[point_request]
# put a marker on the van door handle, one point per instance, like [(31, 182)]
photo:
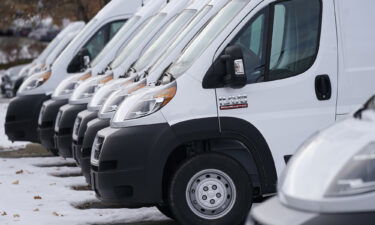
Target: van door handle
[(323, 87)]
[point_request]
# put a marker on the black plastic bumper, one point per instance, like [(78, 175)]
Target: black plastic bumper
[(21, 121), (85, 152), (46, 123), (129, 171), (64, 128), (79, 130)]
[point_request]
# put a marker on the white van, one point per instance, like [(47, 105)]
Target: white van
[(13, 80), (67, 114), (259, 79), (330, 180), (40, 62), (21, 124), (65, 89), (146, 69)]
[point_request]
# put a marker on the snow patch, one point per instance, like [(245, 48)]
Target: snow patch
[(31, 196)]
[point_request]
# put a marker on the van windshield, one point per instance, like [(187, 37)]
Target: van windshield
[(170, 32), (182, 35), (116, 39), (137, 39), (206, 36)]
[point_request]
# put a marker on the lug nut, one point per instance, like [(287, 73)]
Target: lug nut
[(205, 189), (214, 187), (218, 195), (212, 201), (204, 197)]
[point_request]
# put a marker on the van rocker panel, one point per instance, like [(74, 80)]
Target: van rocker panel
[(21, 121)]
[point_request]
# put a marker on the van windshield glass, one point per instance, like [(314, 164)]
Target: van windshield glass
[(206, 36), (116, 39), (170, 32), (182, 35), (137, 39)]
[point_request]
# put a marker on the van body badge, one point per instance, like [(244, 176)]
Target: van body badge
[(233, 102)]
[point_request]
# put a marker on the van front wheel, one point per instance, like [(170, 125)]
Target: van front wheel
[(210, 189)]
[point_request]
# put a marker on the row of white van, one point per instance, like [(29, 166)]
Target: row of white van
[(196, 106)]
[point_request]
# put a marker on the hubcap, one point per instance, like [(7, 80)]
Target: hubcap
[(211, 194)]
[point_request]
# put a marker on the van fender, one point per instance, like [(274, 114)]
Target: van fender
[(231, 136)]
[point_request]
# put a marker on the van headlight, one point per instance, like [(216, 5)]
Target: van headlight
[(103, 94), (357, 176), (116, 98), (67, 86), (35, 81), (87, 89), (141, 105)]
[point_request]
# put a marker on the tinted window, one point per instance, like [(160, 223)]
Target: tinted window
[(251, 40), (114, 28), (291, 47), (295, 37), (102, 37), (96, 44)]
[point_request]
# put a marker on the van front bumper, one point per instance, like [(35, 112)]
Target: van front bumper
[(64, 128), (128, 169), (273, 212), (46, 123), (21, 121), (79, 130), (84, 154)]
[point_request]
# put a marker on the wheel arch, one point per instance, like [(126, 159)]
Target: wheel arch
[(230, 136)]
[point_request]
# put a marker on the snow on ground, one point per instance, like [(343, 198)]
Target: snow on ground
[(30, 195), (5, 144)]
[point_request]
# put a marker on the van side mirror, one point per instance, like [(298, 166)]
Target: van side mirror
[(80, 61), (86, 61), (235, 67)]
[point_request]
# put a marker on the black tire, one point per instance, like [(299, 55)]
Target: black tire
[(222, 170), (165, 210)]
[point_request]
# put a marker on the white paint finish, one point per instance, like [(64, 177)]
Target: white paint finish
[(355, 20), (320, 160), (171, 10), (125, 34), (190, 102), (170, 51)]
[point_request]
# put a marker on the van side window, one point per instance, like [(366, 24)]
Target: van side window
[(251, 41), (102, 37), (295, 37), (281, 41), (95, 45), (115, 27)]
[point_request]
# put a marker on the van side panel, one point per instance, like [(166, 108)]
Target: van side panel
[(356, 35)]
